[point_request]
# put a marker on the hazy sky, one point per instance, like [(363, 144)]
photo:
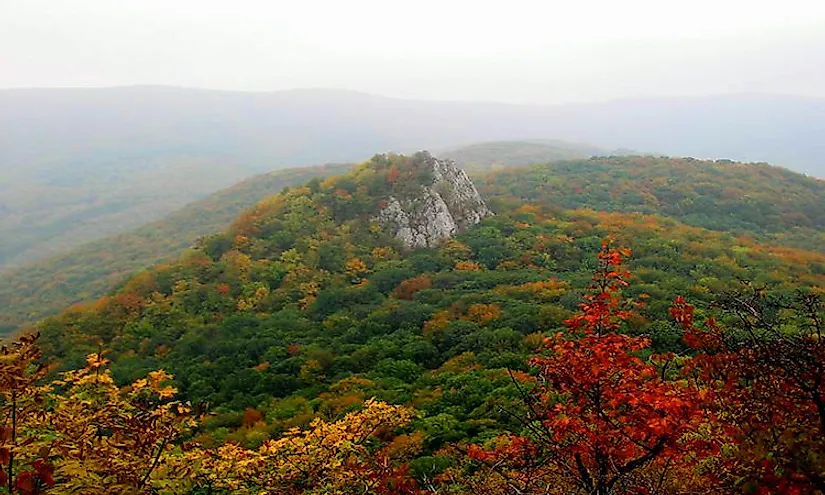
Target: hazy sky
[(515, 50)]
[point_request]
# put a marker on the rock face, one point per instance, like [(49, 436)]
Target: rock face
[(448, 205)]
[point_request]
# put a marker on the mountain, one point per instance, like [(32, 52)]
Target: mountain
[(312, 323), (317, 269), (498, 154), (768, 203), (765, 203), (766, 128), (80, 164), (34, 291)]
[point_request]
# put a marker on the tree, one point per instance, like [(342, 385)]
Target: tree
[(339, 457), (766, 369), (407, 288), (82, 433), (24, 468), (599, 417), (110, 439)]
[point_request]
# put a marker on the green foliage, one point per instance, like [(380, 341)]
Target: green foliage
[(305, 308), (296, 310), (771, 203), (501, 154)]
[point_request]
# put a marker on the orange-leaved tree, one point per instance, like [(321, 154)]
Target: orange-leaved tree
[(601, 420)]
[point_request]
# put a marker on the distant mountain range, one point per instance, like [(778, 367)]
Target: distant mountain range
[(500, 154), (308, 126), (79, 164)]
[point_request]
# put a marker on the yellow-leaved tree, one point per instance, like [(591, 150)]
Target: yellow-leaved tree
[(109, 439), (24, 466), (82, 433), (340, 457)]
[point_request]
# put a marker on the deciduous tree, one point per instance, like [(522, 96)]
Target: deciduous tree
[(598, 414), (766, 368)]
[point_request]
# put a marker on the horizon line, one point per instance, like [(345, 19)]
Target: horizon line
[(330, 90)]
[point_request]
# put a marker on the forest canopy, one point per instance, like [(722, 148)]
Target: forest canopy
[(545, 350)]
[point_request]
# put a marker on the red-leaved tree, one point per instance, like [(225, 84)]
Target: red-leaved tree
[(766, 369), (601, 419)]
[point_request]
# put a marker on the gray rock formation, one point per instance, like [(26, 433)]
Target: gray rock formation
[(448, 205)]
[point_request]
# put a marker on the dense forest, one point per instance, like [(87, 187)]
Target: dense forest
[(769, 204), (659, 347), (756, 199), (34, 290)]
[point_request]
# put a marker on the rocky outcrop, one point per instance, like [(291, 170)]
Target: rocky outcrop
[(439, 210)]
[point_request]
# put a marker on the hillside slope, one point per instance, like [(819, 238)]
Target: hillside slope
[(312, 306), (80, 164), (500, 154), (769, 204), (755, 199), (308, 288), (34, 291)]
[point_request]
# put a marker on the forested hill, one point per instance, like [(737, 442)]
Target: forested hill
[(754, 199), (314, 268), (767, 203), (81, 164), (310, 332)]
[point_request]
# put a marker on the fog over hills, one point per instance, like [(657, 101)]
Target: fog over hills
[(79, 164), (43, 128), (500, 154), (407, 248)]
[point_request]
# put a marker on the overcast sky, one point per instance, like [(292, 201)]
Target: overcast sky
[(546, 51)]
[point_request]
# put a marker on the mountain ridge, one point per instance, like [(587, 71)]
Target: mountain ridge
[(143, 151), (305, 289), (651, 185)]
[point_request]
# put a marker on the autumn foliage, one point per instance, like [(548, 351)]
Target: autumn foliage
[(82, 432), (407, 288), (593, 410), (769, 389), (338, 457), (598, 414), (24, 468)]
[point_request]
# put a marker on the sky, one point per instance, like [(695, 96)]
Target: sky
[(520, 51)]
